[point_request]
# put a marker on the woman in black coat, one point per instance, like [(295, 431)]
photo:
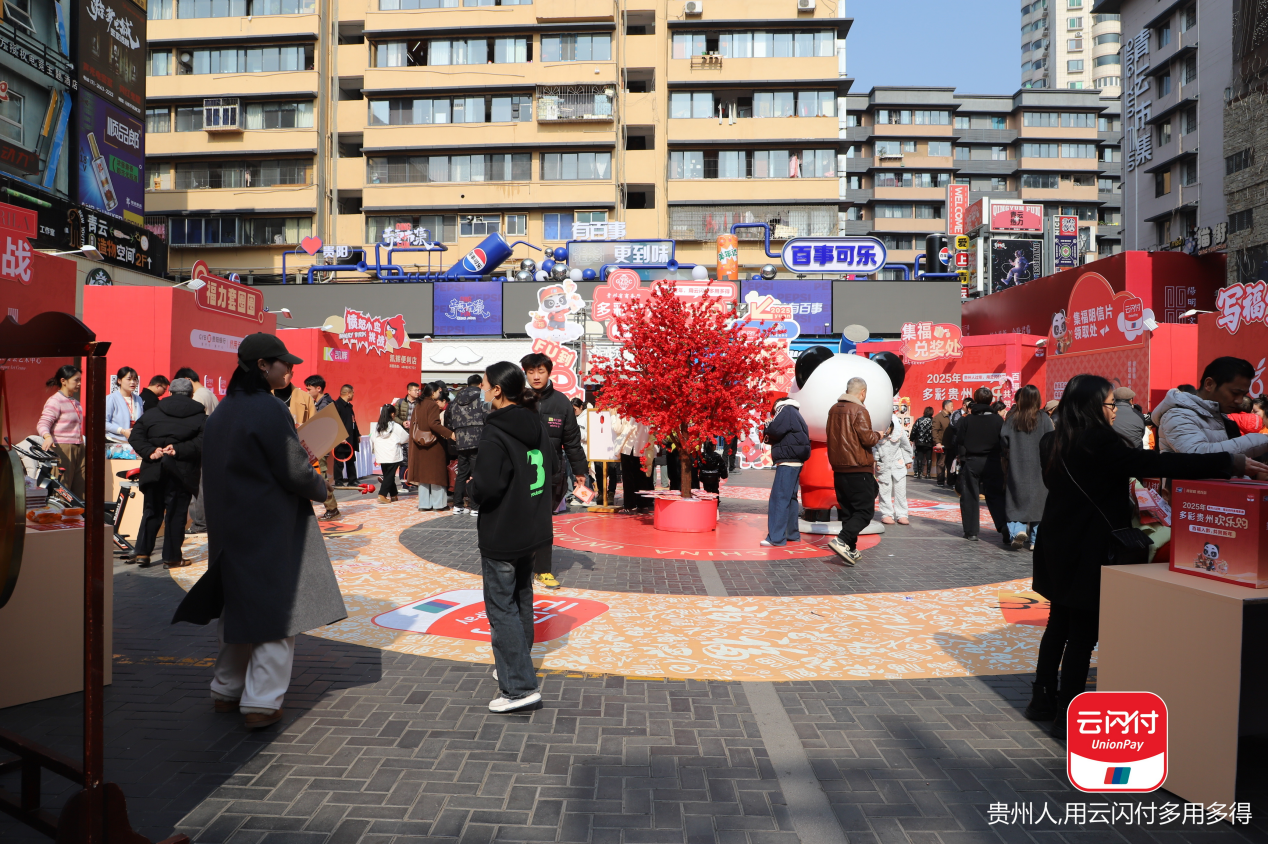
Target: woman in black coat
[(1087, 468)]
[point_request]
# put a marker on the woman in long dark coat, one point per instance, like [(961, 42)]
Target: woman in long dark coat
[(1087, 468), (429, 465), (268, 575), (1024, 492)]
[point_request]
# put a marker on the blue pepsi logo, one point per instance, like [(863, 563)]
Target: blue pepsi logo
[(475, 260)]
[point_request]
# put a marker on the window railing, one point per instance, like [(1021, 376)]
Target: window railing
[(576, 103)]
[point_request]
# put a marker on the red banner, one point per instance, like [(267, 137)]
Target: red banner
[(16, 225), (226, 297), (957, 209), (1098, 319), (373, 334)]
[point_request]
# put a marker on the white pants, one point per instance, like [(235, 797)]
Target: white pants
[(257, 676), (432, 497), (894, 486)]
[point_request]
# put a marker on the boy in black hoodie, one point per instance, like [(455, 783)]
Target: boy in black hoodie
[(512, 493)]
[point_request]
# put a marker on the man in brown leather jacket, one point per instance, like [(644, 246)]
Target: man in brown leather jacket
[(850, 441), (941, 422)]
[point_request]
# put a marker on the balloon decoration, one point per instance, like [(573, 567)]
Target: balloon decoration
[(561, 253), (575, 274), (541, 275), (893, 366), (808, 360), (589, 274), (528, 264), (548, 265), (768, 272), (700, 273), (523, 275)]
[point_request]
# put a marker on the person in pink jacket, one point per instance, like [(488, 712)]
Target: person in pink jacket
[(62, 427)]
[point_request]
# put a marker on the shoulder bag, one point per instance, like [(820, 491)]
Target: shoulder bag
[(422, 436), (1128, 546)]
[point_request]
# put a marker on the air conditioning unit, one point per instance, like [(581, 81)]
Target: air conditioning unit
[(693, 7), (805, 5)]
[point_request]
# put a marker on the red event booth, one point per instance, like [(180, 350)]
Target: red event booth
[(52, 288), (378, 377)]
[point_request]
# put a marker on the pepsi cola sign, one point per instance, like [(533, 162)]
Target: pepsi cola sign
[(475, 260)]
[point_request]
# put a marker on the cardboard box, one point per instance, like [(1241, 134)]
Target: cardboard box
[(1218, 530)]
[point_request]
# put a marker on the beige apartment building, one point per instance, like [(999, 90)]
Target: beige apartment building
[(1064, 44), (273, 120)]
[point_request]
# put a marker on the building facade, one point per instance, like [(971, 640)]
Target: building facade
[(1064, 44), (270, 121), (1058, 148)]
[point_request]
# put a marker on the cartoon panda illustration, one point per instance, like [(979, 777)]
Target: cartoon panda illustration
[(1060, 334), (1207, 559), (552, 301)]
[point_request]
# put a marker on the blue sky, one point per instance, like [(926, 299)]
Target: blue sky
[(973, 45)]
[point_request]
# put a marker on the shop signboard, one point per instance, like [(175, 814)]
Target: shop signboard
[(926, 341), (809, 299), (111, 163), (467, 307), (373, 333), (224, 296), (52, 213), (1016, 217), (977, 213), (17, 227), (594, 254), (1014, 262), (623, 289), (1065, 230), (957, 209), (119, 242), (858, 255), (112, 52)]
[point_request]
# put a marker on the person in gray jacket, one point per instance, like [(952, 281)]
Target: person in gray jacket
[(268, 575), (466, 417), (1195, 423), (1128, 423)]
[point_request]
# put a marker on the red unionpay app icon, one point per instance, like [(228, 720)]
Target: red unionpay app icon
[(1116, 741)]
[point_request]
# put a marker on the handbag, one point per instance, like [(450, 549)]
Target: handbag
[(1128, 546), (422, 437)]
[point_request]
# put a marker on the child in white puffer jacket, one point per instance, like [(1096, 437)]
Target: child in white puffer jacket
[(893, 458)]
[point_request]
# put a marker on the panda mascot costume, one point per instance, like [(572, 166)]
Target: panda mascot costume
[(821, 376)]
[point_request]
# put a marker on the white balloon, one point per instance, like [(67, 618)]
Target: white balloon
[(575, 274), (541, 275), (827, 383), (699, 273)]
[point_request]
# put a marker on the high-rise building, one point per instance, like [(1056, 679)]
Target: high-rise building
[(1064, 44), (1057, 148), (270, 121)]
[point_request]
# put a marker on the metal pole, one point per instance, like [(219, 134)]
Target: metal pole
[(94, 593)]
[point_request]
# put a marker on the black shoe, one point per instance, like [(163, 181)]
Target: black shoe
[(1043, 703), (1057, 731), (971, 538)]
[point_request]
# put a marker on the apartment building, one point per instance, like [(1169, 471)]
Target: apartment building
[(273, 120), (1065, 44), (1058, 148)]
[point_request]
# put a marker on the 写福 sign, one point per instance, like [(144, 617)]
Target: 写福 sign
[(223, 296)]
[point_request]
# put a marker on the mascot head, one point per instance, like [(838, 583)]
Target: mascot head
[(822, 386)]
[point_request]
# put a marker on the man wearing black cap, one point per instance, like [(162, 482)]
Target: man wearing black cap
[(268, 575)]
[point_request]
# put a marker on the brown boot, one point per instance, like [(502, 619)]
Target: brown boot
[(395, 499), (383, 499), (260, 720)]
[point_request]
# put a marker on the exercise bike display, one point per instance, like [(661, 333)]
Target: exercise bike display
[(49, 478)]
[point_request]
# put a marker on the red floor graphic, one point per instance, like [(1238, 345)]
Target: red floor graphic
[(736, 538)]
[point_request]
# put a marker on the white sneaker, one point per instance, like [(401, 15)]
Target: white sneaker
[(505, 704), (473, 512), (495, 673), (766, 543), (843, 551), (459, 511)]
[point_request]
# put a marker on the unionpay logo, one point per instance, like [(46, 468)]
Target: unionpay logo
[(1116, 741), (475, 260)]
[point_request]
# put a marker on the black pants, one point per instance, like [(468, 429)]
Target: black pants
[(634, 481), (673, 468), (466, 462), (543, 560), (609, 473), (856, 502), (924, 461), (388, 487), (730, 453), (981, 476), (346, 471), (508, 603), (166, 504), (1067, 643)]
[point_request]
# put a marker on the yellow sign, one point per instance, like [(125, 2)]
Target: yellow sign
[(964, 276), (961, 241)]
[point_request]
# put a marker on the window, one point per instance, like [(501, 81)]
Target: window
[(159, 10), (194, 175), (1078, 120), (752, 164), (1074, 44), (210, 9), (1108, 185), (688, 44), (961, 121), (1102, 61), (963, 153), (1188, 121), (1162, 183), (1163, 35), (1039, 150), (1190, 73), (816, 104), (757, 45), (1074, 4), (1103, 82), (1074, 23), (686, 104), (891, 211), (907, 116), (940, 148), (774, 104), (415, 169), (1189, 173), (894, 148), (1043, 181), (928, 211), (487, 109), (479, 225), (1164, 84), (1074, 66), (227, 231), (437, 228), (189, 119), (253, 60), (1108, 124), (1040, 118), (576, 48), (1241, 221), (854, 212), (1075, 85), (1164, 133), (988, 184), (517, 225), (854, 183), (557, 226), (1105, 18), (896, 241), (1078, 150), (159, 63), (570, 166), (1109, 217), (156, 119), (18, 12), (11, 114), (457, 52), (1189, 18), (1239, 161), (1111, 154), (1108, 38), (278, 115)]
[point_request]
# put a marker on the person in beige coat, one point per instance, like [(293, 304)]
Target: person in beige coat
[(428, 464)]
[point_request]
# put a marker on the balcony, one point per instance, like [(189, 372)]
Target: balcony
[(249, 142), (353, 59), (754, 71), (350, 117), (576, 104), (454, 19), (805, 130), (565, 11), (987, 136), (773, 191), (643, 166), (198, 86), (1065, 193), (907, 224), (457, 77), (351, 174), (642, 109), (485, 135), (1062, 133), (911, 130), (475, 195), (279, 198), (192, 30), (1064, 164), (911, 194), (987, 167), (350, 229), (644, 51), (643, 223)]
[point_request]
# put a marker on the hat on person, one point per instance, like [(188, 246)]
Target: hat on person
[(1124, 394), (260, 345), (182, 387), (1051, 405)]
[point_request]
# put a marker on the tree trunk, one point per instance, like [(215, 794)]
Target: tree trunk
[(684, 468)]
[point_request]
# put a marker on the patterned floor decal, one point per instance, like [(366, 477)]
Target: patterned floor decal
[(990, 629)]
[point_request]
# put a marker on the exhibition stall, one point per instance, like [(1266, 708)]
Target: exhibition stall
[(47, 284)]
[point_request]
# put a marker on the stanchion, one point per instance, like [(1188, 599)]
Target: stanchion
[(604, 506)]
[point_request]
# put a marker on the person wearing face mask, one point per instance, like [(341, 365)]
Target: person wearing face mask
[(268, 575)]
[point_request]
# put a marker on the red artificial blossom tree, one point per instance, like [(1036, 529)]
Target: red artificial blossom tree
[(687, 371)]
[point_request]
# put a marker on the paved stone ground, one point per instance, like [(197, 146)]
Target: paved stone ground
[(391, 748)]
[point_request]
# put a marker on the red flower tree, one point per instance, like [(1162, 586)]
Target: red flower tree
[(687, 371)]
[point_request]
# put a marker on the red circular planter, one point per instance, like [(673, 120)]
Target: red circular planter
[(685, 515)]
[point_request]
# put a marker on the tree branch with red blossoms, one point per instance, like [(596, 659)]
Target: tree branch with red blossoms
[(688, 370)]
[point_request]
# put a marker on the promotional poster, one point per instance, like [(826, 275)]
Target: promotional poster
[(112, 53), (111, 163), (467, 307), (119, 242), (810, 300), (1015, 262)]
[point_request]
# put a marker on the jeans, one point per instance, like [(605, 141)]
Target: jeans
[(508, 602), (781, 509), (543, 559), (856, 502), (981, 475), (466, 462), (1031, 528), (432, 496), (164, 496), (388, 487), (1067, 642), (923, 467), (893, 493)]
